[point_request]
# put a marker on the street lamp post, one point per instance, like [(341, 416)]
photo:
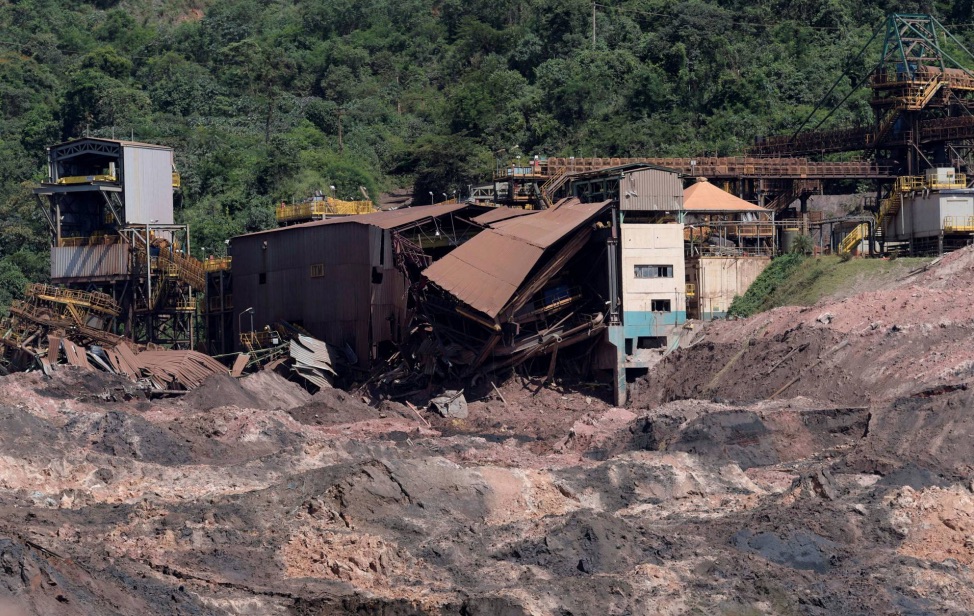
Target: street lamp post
[(431, 197), (239, 316)]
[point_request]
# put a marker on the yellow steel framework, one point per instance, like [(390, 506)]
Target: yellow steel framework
[(854, 238), (319, 209)]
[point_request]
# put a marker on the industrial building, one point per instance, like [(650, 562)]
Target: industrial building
[(341, 279), (729, 242), (109, 205)]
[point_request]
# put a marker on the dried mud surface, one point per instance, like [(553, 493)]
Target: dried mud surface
[(849, 491)]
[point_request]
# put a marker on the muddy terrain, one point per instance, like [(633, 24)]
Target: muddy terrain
[(805, 461)]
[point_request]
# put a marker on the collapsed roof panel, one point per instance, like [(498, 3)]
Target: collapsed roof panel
[(549, 226), (500, 213), (486, 271), (390, 219)]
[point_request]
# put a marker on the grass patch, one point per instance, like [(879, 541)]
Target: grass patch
[(794, 280)]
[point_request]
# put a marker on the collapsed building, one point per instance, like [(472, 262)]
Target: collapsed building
[(124, 283), (458, 289), (338, 278)]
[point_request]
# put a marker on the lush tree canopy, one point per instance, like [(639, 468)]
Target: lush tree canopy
[(254, 95)]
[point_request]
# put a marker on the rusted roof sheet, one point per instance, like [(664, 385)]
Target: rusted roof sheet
[(548, 226), (500, 213), (703, 196), (384, 220), (487, 270)]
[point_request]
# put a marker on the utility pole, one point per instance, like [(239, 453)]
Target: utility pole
[(593, 26), (341, 145)]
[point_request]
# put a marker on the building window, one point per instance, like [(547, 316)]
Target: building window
[(317, 270), (660, 305), (654, 271), (262, 278)]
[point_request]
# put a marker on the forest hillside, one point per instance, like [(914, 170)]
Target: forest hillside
[(269, 101)]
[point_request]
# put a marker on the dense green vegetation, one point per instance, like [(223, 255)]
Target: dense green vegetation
[(795, 280), (266, 101), (764, 290)]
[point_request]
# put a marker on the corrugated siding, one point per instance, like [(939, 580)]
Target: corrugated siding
[(334, 307), (389, 296), (89, 261), (651, 190), (147, 177)]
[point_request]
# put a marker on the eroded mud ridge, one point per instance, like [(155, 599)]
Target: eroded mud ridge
[(806, 461)]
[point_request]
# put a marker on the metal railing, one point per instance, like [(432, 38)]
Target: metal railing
[(854, 238), (958, 224), (325, 207), (96, 239), (259, 340), (707, 250), (89, 299), (216, 264)]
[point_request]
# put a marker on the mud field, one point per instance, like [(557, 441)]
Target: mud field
[(805, 461)]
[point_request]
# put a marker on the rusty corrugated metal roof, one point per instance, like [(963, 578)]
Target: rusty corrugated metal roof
[(500, 213), (384, 220), (548, 226), (487, 270)]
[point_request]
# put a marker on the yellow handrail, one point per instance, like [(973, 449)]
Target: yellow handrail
[(217, 264), (326, 207), (854, 238)]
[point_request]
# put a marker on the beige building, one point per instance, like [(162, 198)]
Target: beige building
[(653, 282)]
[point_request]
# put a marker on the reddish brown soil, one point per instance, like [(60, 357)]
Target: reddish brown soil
[(849, 492)]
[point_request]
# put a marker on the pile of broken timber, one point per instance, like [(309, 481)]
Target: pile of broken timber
[(165, 370)]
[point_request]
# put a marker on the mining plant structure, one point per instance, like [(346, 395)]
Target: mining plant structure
[(922, 98), (109, 206), (916, 152)]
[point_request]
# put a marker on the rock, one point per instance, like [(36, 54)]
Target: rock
[(451, 404)]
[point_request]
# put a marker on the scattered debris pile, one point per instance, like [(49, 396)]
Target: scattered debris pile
[(529, 284), (54, 325), (250, 496)]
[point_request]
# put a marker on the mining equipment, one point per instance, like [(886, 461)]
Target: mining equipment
[(916, 152), (109, 205), (922, 98)]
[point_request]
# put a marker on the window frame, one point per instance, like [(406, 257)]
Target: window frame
[(642, 271)]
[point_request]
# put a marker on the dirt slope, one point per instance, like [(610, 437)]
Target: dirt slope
[(847, 493)]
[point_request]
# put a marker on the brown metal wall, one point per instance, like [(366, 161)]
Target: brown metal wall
[(655, 190), (91, 262), (336, 307)]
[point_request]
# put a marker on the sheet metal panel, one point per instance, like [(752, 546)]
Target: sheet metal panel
[(549, 226), (651, 190), (103, 261), (501, 213), (384, 220), (487, 270), (147, 182), (334, 307)]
